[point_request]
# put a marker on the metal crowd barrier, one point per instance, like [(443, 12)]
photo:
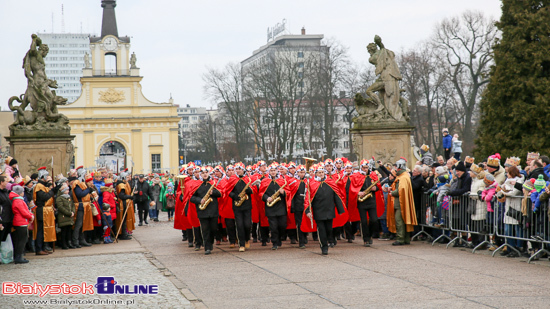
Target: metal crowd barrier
[(469, 216), (519, 228)]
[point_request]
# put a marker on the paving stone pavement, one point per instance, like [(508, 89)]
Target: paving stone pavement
[(126, 262), (351, 276)]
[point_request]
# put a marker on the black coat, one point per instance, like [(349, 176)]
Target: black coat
[(463, 185), (211, 211), (143, 192), (6, 216), (279, 209), (371, 201), (324, 202), (417, 183), (298, 200), (41, 198), (234, 195)]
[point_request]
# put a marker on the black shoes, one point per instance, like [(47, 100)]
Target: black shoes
[(366, 244), (197, 248), (190, 245), (398, 243), (324, 251), (302, 246), (145, 221), (207, 252), (274, 247), (140, 223), (156, 220), (293, 241), (264, 244)]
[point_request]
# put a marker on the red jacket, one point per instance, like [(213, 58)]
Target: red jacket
[(109, 198), (21, 213)]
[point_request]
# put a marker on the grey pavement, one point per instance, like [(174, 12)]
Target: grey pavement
[(351, 276)]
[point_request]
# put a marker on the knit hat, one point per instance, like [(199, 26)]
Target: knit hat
[(440, 170), (443, 178), (64, 188), (489, 178), (540, 183), (17, 189), (460, 167), (529, 185)]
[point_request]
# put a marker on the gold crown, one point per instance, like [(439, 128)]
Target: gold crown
[(425, 147), (493, 162), (533, 155), (469, 159), (476, 168), (453, 160)]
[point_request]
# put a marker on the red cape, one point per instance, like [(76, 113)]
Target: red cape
[(340, 219), (191, 216), (357, 181)]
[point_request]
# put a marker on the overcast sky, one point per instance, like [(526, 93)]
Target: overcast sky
[(175, 41)]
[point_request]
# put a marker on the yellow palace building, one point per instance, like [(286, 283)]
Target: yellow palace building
[(113, 123)]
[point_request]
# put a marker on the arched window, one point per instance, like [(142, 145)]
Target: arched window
[(110, 64)]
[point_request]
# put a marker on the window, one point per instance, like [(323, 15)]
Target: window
[(155, 163), (301, 83), (346, 131), (300, 74), (346, 144), (300, 64), (186, 118), (300, 54)]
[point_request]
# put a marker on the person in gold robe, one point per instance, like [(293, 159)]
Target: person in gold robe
[(401, 213)]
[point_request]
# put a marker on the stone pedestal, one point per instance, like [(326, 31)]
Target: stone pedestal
[(386, 142), (34, 149)]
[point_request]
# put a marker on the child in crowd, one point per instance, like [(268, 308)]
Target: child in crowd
[(107, 223), (170, 201), (443, 188)]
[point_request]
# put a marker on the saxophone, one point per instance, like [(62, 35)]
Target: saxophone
[(368, 194), (275, 197), (243, 196), (207, 197)]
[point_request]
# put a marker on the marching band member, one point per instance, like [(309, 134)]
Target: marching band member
[(298, 203), (208, 216), (325, 198), (361, 186), (276, 213)]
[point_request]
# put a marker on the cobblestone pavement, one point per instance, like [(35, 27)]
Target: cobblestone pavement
[(351, 276), (126, 268), (126, 261)]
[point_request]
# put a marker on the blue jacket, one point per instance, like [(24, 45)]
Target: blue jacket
[(447, 142)]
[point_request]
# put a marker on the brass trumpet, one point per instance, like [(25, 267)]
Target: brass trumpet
[(181, 179), (309, 163)]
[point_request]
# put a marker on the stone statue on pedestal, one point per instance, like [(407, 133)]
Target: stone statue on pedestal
[(133, 61), (42, 100), (383, 101), (87, 63)]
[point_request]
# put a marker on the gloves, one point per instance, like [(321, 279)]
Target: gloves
[(438, 204), (432, 194), (181, 197)]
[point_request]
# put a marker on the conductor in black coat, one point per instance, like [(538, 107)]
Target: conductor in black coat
[(322, 205), (209, 216), (276, 214), (243, 213)]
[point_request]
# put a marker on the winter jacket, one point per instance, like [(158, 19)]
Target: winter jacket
[(108, 194), (442, 191), (427, 159), (65, 207), (457, 146), (447, 142), (21, 213), (513, 200), (500, 176), (535, 175), (5, 205), (463, 185), (487, 195), (480, 207)]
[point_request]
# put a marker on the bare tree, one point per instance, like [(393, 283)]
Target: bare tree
[(464, 43), (225, 87)]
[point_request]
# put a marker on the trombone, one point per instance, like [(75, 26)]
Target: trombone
[(309, 162)]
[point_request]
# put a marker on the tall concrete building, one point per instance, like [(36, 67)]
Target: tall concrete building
[(190, 119), (65, 61)]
